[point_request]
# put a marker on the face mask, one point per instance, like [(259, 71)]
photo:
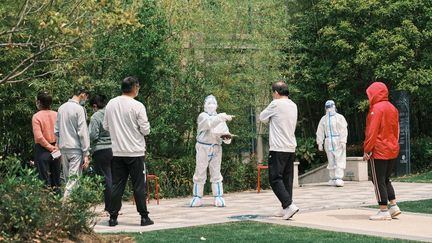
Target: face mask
[(211, 109)]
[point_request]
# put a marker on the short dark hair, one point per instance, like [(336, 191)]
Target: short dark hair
[(44, 99), (128, 84), (81, 89), (99, 100), (281, 88)]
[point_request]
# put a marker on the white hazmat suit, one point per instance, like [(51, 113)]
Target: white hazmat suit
[(332, 130), (211, 128)]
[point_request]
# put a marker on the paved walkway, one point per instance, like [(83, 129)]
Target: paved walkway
[(321, 207)]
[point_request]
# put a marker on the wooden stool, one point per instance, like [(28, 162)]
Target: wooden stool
[(259, 167), (156, 179)]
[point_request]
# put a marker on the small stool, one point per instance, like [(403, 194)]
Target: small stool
[(259, 167), (156, 179)]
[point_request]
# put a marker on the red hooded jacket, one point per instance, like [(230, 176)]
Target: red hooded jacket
[(382, 124)]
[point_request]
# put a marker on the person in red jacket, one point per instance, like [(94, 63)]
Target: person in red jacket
[(381, 148)]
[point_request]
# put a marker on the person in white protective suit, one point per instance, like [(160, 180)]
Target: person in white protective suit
[(212, 131), (332, 130)]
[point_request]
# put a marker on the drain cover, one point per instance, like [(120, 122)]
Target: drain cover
[(247, 217)]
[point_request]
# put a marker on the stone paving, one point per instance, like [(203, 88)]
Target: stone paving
[(321, 207)]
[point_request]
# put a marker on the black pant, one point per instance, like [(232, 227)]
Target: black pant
[(281, 174), (381, 171), (121, 168), (48, 168), (102, 160)]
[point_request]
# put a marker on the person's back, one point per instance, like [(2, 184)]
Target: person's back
[(72, 128), (282, 115), (126, 121), (73, 138), (282, 126), (44, 122), (128, 124)]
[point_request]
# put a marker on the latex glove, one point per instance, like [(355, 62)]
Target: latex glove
[(226, 116), (320, 147)]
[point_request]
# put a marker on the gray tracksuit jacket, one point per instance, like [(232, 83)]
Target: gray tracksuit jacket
[(71, 129), (99, 137)]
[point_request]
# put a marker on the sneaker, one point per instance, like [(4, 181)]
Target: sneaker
[(394, 211), (112, 222), (219, 202), (381, 215), (290, 211), (145, 220), (196, 202), (279, 213), (339, 183), (331, 182)]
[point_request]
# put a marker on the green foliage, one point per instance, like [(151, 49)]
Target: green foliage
[(337, 48), (32, 212), (175, 175), (421, 154)]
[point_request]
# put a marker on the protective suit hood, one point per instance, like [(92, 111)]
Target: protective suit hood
[(377, 92), (330, 107), (210, 105)]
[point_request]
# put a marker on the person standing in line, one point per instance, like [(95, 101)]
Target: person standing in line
[(73, 139), (381, 148), (333, 132), (281, 113), (100, 142), (43, 123), (127, 122)]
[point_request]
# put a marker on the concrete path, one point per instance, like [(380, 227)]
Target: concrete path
[(321, 207)]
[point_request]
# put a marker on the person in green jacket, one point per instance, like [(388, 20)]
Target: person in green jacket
[(100, 142)]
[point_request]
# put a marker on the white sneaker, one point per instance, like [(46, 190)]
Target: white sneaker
[(394, 211), (196, 202), (279, 213), (339, 183), (219, 202), (290, 211), (381, 216), (331, 182)]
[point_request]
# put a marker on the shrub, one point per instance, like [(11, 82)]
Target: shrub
[(32, 212), (175, 175), (421, 154)]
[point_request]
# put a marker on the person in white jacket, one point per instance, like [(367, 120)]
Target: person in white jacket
[(212, 131), (332, 132)]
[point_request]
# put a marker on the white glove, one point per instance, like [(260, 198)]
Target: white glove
[(225, 116), (320, 147)]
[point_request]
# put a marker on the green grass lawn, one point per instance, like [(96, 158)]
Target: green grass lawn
[(250, 231), (425, 177), (421, 206)]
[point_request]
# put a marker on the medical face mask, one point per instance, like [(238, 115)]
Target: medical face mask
[(210, 109)]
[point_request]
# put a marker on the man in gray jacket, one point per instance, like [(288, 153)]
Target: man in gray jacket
[(281, 113), (126, 121), (73, 138)]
